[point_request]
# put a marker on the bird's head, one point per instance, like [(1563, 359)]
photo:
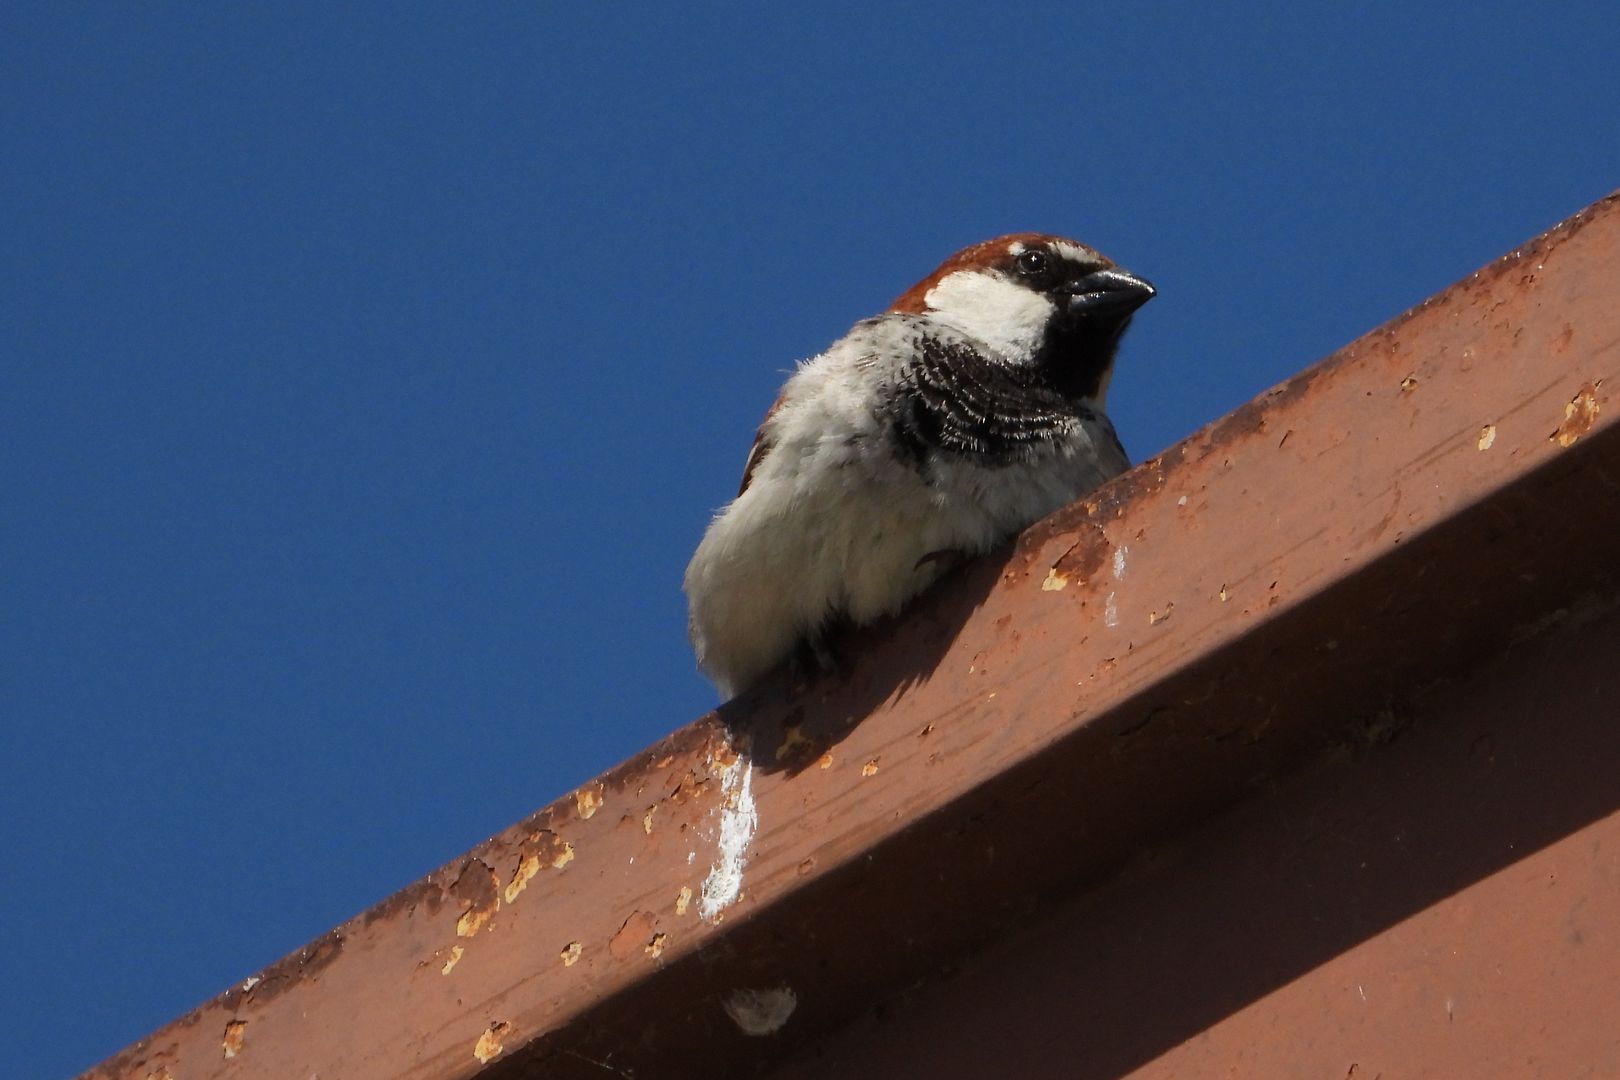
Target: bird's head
[(1039, 300)]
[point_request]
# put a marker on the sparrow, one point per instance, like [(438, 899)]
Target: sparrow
[(936, 431)]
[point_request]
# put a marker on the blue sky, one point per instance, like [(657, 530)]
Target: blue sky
[(369, 374)]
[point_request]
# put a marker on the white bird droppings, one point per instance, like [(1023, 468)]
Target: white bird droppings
[(761, 1012), (1120, 554), (739, 819)]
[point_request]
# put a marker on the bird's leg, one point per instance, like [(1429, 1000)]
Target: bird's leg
[(817, 655)]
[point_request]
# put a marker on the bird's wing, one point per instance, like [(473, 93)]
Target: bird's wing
[(1111, 453), (762, 446)]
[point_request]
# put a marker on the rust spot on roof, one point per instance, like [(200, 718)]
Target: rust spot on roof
[(1084, 558), (285, 973)]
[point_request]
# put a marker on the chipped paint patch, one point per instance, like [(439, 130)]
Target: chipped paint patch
[(647, 819), (1157, 617), (793, 741), (761, 1012), (1055, 582), (473, 921), (683, 900), (1579, 416), (655, 947), (588, 800), (570, 953), (491, 1042), (637, 930), (527, 867), (1487, 436), (739, 818), (478, 887), (235, 1035), (564, 857), (456, 952), (870, 768)]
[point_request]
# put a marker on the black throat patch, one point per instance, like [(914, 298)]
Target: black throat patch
[(954, 400), (1077, 353)]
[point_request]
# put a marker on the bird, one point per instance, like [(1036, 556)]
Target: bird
[(936, 431)]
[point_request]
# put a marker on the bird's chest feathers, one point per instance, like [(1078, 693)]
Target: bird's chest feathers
[(1006, 316)]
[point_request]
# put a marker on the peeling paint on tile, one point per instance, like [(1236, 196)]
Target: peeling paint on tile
[(793, 741), (491, 1042), (473, 921), (527, 867), (631, 937), (235, 1035), (1579, 416), (588, 800), (478, 887)]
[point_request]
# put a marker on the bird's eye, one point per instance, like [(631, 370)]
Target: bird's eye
[(1032, 263)]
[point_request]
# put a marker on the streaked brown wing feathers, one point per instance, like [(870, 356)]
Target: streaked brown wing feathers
[(761, 447)]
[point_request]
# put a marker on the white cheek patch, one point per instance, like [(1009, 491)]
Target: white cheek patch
[(1008, 317)]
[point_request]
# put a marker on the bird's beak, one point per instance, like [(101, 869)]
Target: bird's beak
[(1114, 293)]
